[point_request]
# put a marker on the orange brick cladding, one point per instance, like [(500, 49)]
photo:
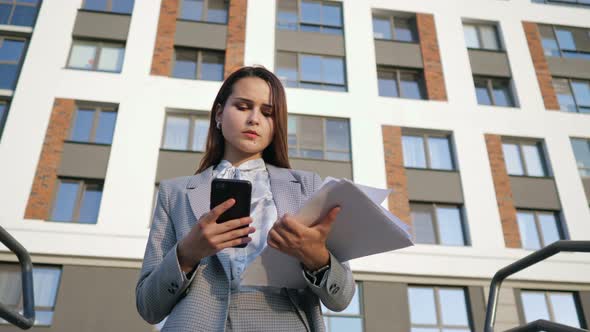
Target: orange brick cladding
[(503, 191), (236, 36), (164, 49), (398, 201), (46, 175), (533, 37), (433, 73)]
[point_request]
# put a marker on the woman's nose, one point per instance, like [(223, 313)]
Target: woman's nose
[(253, 116)]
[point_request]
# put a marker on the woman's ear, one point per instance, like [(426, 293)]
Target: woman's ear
[(218, 112)]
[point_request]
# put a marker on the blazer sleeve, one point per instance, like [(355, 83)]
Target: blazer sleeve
[(338, 286), (161, 281)]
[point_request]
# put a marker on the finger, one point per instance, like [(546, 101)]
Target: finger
[(275, 237), (233, 243), (327, 221), (288, 238), (292, 225), (218, 210), (273, 244), (231, 235), (231, 225)]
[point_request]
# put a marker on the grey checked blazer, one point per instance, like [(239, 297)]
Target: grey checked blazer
[(201, 303)]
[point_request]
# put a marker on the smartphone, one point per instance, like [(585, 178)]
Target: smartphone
[(240, 190)]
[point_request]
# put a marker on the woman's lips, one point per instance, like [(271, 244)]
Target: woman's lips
[(250, 135)]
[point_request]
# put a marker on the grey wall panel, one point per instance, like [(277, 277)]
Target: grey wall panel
[(534, 193), (478, 307), (101, 25), (399, 54), (566, 67), (434, 186), (172, 164), (386, 307), (84, 160), (200, 35), (586, 183), (582, 38), (324, 167), (585, 306), (489, 63), (309, 42)]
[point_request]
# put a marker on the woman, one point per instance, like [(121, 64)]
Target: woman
[(191, 272)]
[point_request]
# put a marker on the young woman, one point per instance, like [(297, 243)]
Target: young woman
[(191, 271)]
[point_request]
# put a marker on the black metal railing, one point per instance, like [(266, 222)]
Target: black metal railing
[(12, 316), (521, 264)]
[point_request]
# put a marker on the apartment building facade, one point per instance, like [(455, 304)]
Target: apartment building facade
[(471, 111)]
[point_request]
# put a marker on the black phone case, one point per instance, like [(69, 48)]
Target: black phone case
[(240, 190)]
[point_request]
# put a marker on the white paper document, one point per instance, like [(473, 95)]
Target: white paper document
[(363, 227)]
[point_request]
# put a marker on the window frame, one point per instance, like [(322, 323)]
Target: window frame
[(199, 70), (361, 315), (321, 26), (392, 19), (321, 84), (549, 305), (580, 168), (4, 116), (83, 185), (191, 129), (431, 207), (489, 80), (439, 323), (577, 3), (426, 145), (541, 149), (109, 8), (298, 133), (398, 71), (564, 51), (98, 45), (569, 81), (204, 14), (14, 4), (478, 26), (21, 58), (97, 110), (558, 220)]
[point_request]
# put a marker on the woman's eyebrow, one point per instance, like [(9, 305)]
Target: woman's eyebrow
[(249, 101)]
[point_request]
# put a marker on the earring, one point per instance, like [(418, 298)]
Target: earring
[(218, 125)]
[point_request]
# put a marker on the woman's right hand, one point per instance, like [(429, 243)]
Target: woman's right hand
[(208, 237)]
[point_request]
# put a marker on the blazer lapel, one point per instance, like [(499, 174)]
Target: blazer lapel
[(285, 188)]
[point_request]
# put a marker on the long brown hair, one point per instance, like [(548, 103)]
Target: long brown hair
[(276, 152)]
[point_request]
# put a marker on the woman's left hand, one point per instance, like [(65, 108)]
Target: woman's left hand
[(306, 243)]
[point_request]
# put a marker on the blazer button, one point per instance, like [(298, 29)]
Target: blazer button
[(170, 290), (334, 289), (173, 284)]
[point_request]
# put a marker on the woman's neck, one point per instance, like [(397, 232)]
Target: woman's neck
[(238, 159)]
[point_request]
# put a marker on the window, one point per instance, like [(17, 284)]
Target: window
[(11, 56), (98, 56), (3, 115), (402, 83), (493, 91), (186, 132), (310, 15), (77, 200), (18, 12), (538, 228), (350, 319), (525, 159), (115, 6), (566, 2), (213, 11), (93, 125), (46, 280), (559, 307), (438, 224), (560, 41), (438, 309), (582, 152), (395, 28), (427, 151), (573, 95), (311, 71), (198, 64), (481, 36), (318, 138)]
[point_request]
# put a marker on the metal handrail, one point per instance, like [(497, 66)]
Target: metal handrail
[(27, 320), (521, 264), (545, 325)]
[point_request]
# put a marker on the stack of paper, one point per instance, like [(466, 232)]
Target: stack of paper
[(363, 227)]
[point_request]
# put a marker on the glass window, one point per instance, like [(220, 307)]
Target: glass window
[(212, 66), (411, 85), (524, 159), (350, 319), (201, 129), (382, 28), (437, 148), (11, 55), (482, 92), (565, 38), (287, 68), (46, 280), (440, 153), (404, 83), (105, 127), (192, 10), (413, 151), (481, 36), (581, 91), (19, 12), (471, 37), (314, 72), (564, 94), (538, 228), (438, 309), (319, 138), (437, 224), (422, 224), (3, 115), (217, 11), (405, 29), (548, 41), (77, 201), (310, 15), (93, 125), (214, 11), (581, 149), (388, 86), (561, 41), (311, 68), (185, 64), (96, 56), (115, 6), (198, 64), (512, 159), (450, 225), (532, 159), (82, 130), (287, 15), (559, 307), (182, 129), (493, 91)]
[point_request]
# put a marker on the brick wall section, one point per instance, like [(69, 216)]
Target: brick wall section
[(51, 152), (533, 37), (398, 201), (164, 49), (433, 72), (503, 191), (236, 36)]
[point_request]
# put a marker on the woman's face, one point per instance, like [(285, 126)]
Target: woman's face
[(247, 119)]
